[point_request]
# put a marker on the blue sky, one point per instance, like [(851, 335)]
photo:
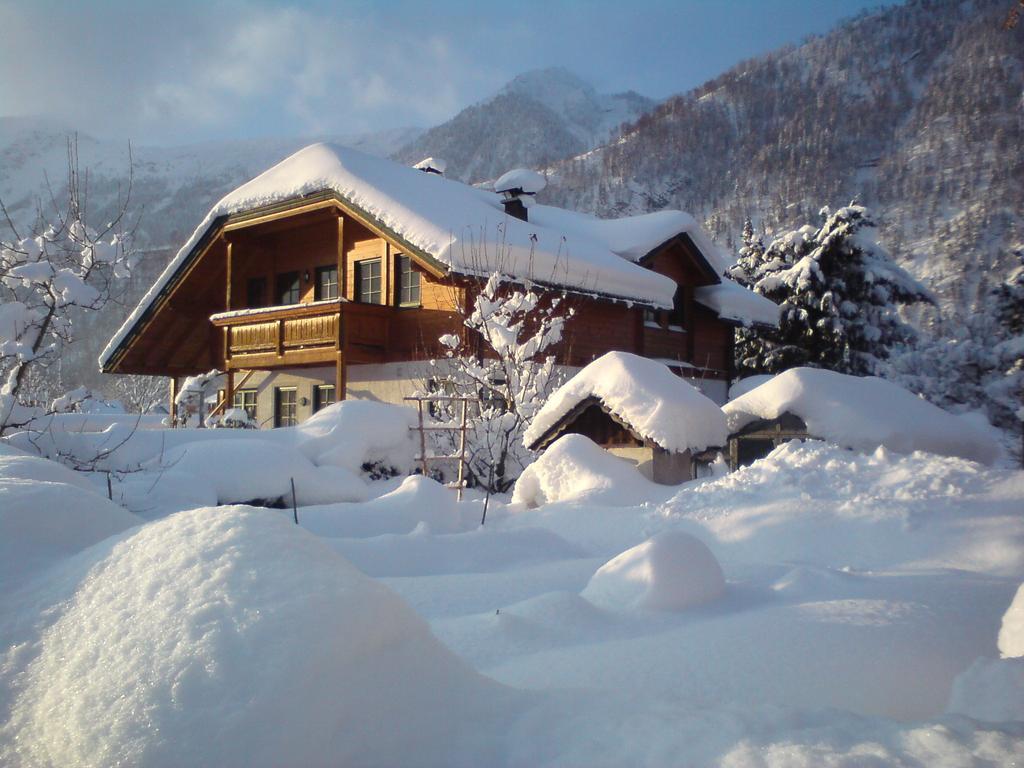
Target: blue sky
[(188, 71)]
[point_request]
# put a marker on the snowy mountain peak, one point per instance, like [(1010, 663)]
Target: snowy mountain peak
[(538, 117)]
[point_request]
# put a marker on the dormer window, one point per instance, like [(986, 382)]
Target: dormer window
[(408, 282), (368, 289)]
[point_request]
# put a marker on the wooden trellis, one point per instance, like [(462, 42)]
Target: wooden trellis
[(423, 428)]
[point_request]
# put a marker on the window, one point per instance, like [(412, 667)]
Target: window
[(326, 283), (256, 292), (368, 281), (408, 282), (323, 395), (246, 399), (288, 288), (285, 407)]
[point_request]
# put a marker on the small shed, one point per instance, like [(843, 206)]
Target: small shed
[(635, 408), (857, 412)]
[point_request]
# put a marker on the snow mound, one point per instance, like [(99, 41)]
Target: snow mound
[(47, 512), (575, 468), (861, 413), (1011, 633), (643, 393), (990, 690), (671, 571), (814, 502), (417, 501), (249, 642), (16, 464), (246, 469), (351, 433)]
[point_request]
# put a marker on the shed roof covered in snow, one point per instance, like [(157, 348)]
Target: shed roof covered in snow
[(860, 413), (642, 394), (457, 228)]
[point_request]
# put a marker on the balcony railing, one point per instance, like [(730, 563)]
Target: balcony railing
[(302, 333)]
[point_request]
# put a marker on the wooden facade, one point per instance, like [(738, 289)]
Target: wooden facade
[(250, 298)]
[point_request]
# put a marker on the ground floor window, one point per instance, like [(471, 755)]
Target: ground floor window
[(323, 395), (285, 407), (246, 399)]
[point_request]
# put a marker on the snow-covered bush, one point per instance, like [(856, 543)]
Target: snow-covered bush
[(49, 278), (48, 512), (671, 571), (509, 378)]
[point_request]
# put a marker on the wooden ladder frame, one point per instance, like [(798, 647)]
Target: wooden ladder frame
[(423, 428)]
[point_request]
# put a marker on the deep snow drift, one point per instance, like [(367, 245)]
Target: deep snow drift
[(843, 609), (229, 636)]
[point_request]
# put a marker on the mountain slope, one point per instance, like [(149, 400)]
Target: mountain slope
[(539, 117), (915, 110)]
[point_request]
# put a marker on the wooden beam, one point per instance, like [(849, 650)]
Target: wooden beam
[(227, 262), (342, 261), (298, 210)]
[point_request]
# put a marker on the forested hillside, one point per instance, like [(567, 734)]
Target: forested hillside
[(914, 110)]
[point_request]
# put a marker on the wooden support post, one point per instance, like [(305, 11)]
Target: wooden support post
[(229, 390), (173, 409), (423, 440), (227, 293), (462, 450), (387, 289), (342, 270)]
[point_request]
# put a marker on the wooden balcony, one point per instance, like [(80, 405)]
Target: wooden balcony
[(304, 334)]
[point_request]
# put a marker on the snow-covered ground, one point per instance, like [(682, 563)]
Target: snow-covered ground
[(821, 607)]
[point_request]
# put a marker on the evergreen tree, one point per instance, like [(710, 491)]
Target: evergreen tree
[(839, 291), (751, 257)]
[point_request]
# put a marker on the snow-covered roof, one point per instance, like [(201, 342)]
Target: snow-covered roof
[(861, 413), (522, 179), (654, 402), (731, 301), (460, 228)]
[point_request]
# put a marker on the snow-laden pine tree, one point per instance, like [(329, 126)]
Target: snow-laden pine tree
[(1006, 389), (507, 366), (751, 257), (840, 293)]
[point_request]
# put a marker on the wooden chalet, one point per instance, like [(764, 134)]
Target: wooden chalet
[(333, 274)]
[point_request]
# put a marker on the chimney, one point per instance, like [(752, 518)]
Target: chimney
[(517, 188), (433, 165)]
